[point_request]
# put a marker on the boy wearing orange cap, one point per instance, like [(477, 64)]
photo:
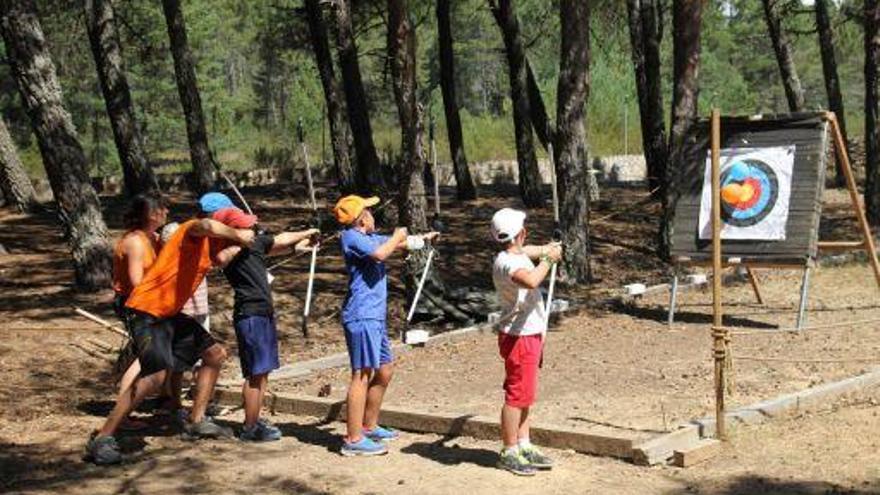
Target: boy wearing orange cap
[(363, 320), (254, 314)]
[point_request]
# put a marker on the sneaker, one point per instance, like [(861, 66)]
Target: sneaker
[(103, 450), (516, 463), (206, 428), (536, 457), (379, 434), (364, 446), (261, 431)]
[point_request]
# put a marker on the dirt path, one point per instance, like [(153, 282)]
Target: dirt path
[(835, 451)]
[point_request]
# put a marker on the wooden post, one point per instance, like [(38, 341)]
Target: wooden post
[(718, 333), (753, 279), (843, 157)]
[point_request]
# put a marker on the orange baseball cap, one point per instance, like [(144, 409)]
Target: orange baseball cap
[(349, 208)]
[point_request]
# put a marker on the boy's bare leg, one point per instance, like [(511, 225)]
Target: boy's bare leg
[(510, 425), (212, 360), (356, 403), (253, 391), (174, 387), (523, 431), (129, 399), (375, 394), (130, 375)]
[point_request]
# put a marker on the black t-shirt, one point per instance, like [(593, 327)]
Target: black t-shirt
[(249, 279)]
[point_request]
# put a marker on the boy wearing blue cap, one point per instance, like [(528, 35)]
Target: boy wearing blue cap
[(363, 320)]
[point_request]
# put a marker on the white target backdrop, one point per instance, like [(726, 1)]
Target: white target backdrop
[(755, 193)]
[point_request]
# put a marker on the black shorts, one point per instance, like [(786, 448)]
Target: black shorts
[(173, 343)]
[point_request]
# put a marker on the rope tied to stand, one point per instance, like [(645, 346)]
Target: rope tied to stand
[(740, 331)]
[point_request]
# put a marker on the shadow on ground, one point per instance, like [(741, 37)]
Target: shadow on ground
[(760, 485)]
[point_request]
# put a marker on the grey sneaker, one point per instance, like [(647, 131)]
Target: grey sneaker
[(516, 463), (262, 431), (206, 428), (103, 450), (536, 457)]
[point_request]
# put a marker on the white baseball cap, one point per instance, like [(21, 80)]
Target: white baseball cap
[(507, 223)]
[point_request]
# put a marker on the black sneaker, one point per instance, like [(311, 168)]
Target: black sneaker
[(103, 450), (516, 463), (261, 431), (206, 428), (536, 457)]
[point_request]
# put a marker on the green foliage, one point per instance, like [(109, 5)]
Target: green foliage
[(257, 75)]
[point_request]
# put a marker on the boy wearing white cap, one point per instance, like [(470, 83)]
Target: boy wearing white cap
[(521, 334)]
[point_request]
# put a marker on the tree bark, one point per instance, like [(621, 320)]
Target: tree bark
[(832, 81), (573, 89), (794, 93), (104, 41), (686, 23), (541, 123), (645, 36), (340, 136), (15, 184), (187, 88), (368, 172), (63, 157), (464, 183), (872, 132), (529, 175)]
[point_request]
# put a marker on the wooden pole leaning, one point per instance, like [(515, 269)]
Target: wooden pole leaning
[(719, 334), (843, 157)]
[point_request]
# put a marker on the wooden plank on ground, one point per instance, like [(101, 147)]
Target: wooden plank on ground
[(448, 424), (704, 450), (660, 449)]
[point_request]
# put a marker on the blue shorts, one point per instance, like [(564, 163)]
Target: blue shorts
[(368, 345), (257, 344)]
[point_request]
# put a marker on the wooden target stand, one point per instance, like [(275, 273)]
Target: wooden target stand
[(718, 264)]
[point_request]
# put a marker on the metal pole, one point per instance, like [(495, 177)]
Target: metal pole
[(673, 295), (718, 333), (802, 307)]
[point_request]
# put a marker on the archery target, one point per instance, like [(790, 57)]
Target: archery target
[(755, 192)]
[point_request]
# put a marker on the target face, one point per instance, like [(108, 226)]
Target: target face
[(749, 190), (755, 191)]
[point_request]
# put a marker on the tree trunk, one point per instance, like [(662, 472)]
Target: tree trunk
[(794, 93), (872, 132), (573, 89), (106, 50), (686, 22), (187, 87), (368, 172), (15, 184), (463, 182), (541, 123), (63, 157), (829, 70), (339, 132), (529, 175), (645, 36), (411, 202)]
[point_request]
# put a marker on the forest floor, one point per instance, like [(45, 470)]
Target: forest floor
[(609, 366)]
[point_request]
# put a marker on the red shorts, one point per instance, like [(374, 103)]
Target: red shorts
[(522, 356)]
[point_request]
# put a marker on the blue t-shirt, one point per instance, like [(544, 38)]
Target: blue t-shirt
[(367, 285)]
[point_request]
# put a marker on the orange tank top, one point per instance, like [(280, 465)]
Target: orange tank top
[(121, 281), (181, 266)]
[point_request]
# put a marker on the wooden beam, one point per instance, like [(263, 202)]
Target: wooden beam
[(704, 450), (718, 346), (754, 281), (841, 245), (843, 156)]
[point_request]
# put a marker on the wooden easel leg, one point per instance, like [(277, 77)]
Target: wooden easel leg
[(753, 279), (802, 307), (673, 296), (842, 155)]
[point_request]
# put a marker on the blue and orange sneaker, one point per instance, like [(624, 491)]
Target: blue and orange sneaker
[(364, 446), (380, 434)]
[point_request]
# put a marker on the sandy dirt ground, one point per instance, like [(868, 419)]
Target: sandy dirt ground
[(611, 366)]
